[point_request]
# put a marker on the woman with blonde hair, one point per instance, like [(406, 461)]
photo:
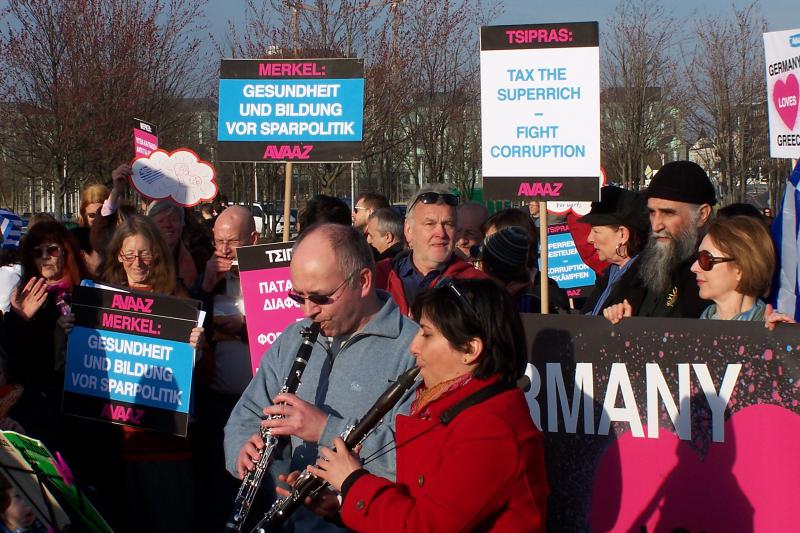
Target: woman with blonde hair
[(92, 199)]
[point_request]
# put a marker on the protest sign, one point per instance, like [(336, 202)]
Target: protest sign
[(782, 50), (179, 176), (145, 138), (129, 360), (301, 110), (266, 280), (666, 425), (40, 477), (564, 264), (540, 111)]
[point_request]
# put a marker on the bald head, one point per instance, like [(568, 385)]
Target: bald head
[(234, 227), (238, 216)]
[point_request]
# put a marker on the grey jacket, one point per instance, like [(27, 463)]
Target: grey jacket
[(344, 388)]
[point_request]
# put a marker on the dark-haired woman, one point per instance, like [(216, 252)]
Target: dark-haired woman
[(619, 232), (482, 471)]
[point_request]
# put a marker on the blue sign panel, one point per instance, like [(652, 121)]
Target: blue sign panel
[(130, 368), (564, 264), (304, 110)]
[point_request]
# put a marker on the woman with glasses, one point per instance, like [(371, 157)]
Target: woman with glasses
[(138, 258), (468, 455), (734, 268), (36, 327)]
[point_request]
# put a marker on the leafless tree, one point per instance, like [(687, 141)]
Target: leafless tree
[(727, 95), (640, 88), (76, 73)]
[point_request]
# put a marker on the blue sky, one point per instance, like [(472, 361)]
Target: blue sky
[(779, 14)]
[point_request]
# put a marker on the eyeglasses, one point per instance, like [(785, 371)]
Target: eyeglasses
[(434, 197), (706, 261), (463, 300), (51, 250), (358, 207), (233, 243), (130, 257), (319, 299)]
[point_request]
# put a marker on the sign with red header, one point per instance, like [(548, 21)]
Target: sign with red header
[(145, 138), (540, 111), (291, 110)]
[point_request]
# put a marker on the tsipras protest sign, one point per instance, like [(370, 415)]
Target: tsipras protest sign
[(145, 138), (540, 111), (564, 264), (782, 50), (266, 280), (129, 360), (304, 110)]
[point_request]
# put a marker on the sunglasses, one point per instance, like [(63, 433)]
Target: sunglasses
[(130, 257), (319, 299), (706, 261), (447, 283), (434, 197), (51, 250)]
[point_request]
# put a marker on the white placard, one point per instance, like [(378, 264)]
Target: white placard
[(782, 51)]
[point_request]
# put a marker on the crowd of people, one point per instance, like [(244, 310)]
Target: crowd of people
[(440, 287)]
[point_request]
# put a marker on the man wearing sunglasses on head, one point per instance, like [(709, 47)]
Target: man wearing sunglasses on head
[(362, 345), (430, 233), (679, 201)]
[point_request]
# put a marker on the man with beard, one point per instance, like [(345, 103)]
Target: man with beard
[(679, 201)]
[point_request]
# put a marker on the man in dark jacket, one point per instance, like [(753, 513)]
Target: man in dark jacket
[(385, 233), (679, 201), (430, 232)]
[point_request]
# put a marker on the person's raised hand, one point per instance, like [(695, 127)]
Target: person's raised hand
[(29, 300), (216, 268), (772, 317), (120, 177), (196, 337)]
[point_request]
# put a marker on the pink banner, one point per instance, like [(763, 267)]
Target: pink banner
[(264, 273)]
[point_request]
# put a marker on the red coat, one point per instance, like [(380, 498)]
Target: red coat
[(482, 472), (387, 279)]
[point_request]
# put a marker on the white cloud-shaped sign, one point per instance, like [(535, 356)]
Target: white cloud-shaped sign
[(179, 176)]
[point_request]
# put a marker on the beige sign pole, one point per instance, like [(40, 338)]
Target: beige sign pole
[(543, 255), (287, 201)]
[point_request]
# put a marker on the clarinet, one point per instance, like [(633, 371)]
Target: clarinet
[(252, 479), (308, 484)]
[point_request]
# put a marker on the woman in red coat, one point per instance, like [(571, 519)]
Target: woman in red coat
[(468, 456)]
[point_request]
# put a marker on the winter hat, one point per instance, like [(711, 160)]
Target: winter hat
[(507, 249), (682, 181)]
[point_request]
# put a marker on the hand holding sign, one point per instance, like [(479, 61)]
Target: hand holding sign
[(179, 176)]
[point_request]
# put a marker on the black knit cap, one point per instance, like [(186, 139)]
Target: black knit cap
[(682, 181), (507, 249)]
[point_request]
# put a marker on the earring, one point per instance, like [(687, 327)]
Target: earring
[(619, 251), (465, 360)]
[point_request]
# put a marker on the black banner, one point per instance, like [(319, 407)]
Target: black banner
[(528, 36), (541, 189), (253, 69), (666, 425), (263, 256)]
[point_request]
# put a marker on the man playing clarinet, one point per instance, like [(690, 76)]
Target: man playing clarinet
[(362, 345)]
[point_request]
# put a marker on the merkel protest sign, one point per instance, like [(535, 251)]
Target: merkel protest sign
[(564, 264), (266, 280), (129, 360), (666, 425), (782, 50), (298, 110), (540, 111)]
